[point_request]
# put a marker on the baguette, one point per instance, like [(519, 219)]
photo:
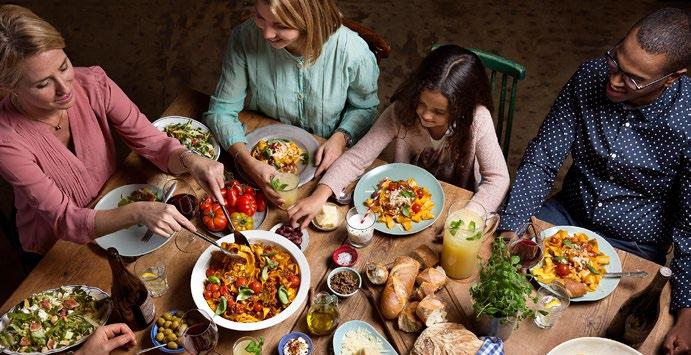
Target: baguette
[(407, 320), (431, 310), (435, 276), (399, 286), (425, 289), (426, 256)]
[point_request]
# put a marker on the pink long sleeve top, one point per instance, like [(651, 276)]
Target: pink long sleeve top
[(52, 184), (486, 173)]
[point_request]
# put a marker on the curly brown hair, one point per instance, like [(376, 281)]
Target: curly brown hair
[(460, 76)]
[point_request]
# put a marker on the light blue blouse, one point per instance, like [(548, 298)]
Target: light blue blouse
[(338, 91)]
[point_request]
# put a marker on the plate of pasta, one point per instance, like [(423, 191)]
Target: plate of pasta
[(405, 198), (286, 148), (263, 292), (581, 258)]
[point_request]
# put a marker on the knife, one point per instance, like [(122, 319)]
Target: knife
[(167, 194), (640, 274)]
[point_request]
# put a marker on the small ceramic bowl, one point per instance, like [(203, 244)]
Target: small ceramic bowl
[(344, 269), (344, 249), (290, 336), (339, 221), (154, 331)]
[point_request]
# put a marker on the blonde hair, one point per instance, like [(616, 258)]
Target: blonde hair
[(315, 19), (23, 34)]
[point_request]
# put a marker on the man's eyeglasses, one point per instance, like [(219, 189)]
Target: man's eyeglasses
[(632, 83)]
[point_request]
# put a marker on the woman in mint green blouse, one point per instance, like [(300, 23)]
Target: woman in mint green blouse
[(300, 65)]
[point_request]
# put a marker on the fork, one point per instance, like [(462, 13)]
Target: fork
[(166, 196)]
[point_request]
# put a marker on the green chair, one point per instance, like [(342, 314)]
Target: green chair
[(497, 64)]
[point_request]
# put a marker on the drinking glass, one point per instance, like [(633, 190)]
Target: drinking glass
[(242, 343), (185, 241), (286, 185), (152, 271), (467, 224), (529, 246), (552, 301), (201, 334), (360, 228)]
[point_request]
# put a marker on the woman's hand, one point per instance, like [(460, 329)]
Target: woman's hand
[(207, 172), (329, 152), (306, 209), (262, 173), (160, 218), (107, 338), (678, 340)]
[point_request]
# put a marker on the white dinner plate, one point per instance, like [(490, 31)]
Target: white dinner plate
[(128, 241), (163, 122), (253, 236), (607, 285), (296, 134), (592, 346)]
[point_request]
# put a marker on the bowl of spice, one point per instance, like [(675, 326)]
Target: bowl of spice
[(345, 255), (344, 281)]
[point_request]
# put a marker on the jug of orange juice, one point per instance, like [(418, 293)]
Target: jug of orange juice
[(467, 224)]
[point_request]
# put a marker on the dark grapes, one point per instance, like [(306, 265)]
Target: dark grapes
[(293, 234)]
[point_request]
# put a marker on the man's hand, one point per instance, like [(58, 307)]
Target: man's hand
[(678, 340), (329, 152)]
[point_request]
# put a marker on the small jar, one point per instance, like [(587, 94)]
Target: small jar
[(360, 229), (323, 314)]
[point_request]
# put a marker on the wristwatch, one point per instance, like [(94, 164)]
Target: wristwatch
[(349, 138)]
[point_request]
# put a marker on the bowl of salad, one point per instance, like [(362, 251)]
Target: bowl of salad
[(54, 320), (191, 133)]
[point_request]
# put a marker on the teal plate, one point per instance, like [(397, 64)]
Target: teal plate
[(399, 171), (607, 285), (353, 325)]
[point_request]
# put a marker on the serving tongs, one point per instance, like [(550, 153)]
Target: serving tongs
[(227, 253)]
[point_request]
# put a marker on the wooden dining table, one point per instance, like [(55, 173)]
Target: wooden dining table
[(68, 263)]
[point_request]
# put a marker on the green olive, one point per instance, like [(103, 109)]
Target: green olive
[(167, 331), (175, 319), (167, 324), (181, 328), (167, 315), (160, 321), (175, 324), (172, 345), (172, 337), (160, 337)]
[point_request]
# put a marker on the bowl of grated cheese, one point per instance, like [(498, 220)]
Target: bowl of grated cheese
[(357, 337)]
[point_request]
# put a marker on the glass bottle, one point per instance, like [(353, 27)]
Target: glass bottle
[(132, 303), (323, 315)]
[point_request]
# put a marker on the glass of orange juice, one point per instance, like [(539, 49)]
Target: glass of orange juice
[(466, 226)]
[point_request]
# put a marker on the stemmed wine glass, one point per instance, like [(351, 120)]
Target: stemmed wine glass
[(529, 246), (201, 334)]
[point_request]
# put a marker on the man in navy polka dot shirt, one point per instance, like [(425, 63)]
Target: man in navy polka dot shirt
[(625, 118)]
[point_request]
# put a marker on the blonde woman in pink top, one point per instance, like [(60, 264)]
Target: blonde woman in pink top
[(440, 120), (56, 141)]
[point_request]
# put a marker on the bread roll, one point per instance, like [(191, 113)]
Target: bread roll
[(399, 286), (426, 256), (407, 320), (431, 310), (446, 339), (435, 276), (376, 273), (425, 289)]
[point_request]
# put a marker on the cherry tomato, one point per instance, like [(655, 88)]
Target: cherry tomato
[(239, 308), (240, 281), (210, 272), (392, 186), (419, 193), (217, 295), (294, 281), (207, 295), (562, 270), (416, 207), (258, 307), (256, 286), (223, 290), (214, 288)]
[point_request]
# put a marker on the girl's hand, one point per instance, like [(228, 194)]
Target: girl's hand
[(306, 209), (207, 172), (107, 338), (329, 152), (160, 218)]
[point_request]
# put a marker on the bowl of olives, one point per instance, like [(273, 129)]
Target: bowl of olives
[(168, 330)]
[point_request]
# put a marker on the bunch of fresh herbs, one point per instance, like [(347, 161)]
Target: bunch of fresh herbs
[(502, 290)]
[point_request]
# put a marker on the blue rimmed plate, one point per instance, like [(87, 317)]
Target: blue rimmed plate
[(607, 285), (399, 171), (354, 325)]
